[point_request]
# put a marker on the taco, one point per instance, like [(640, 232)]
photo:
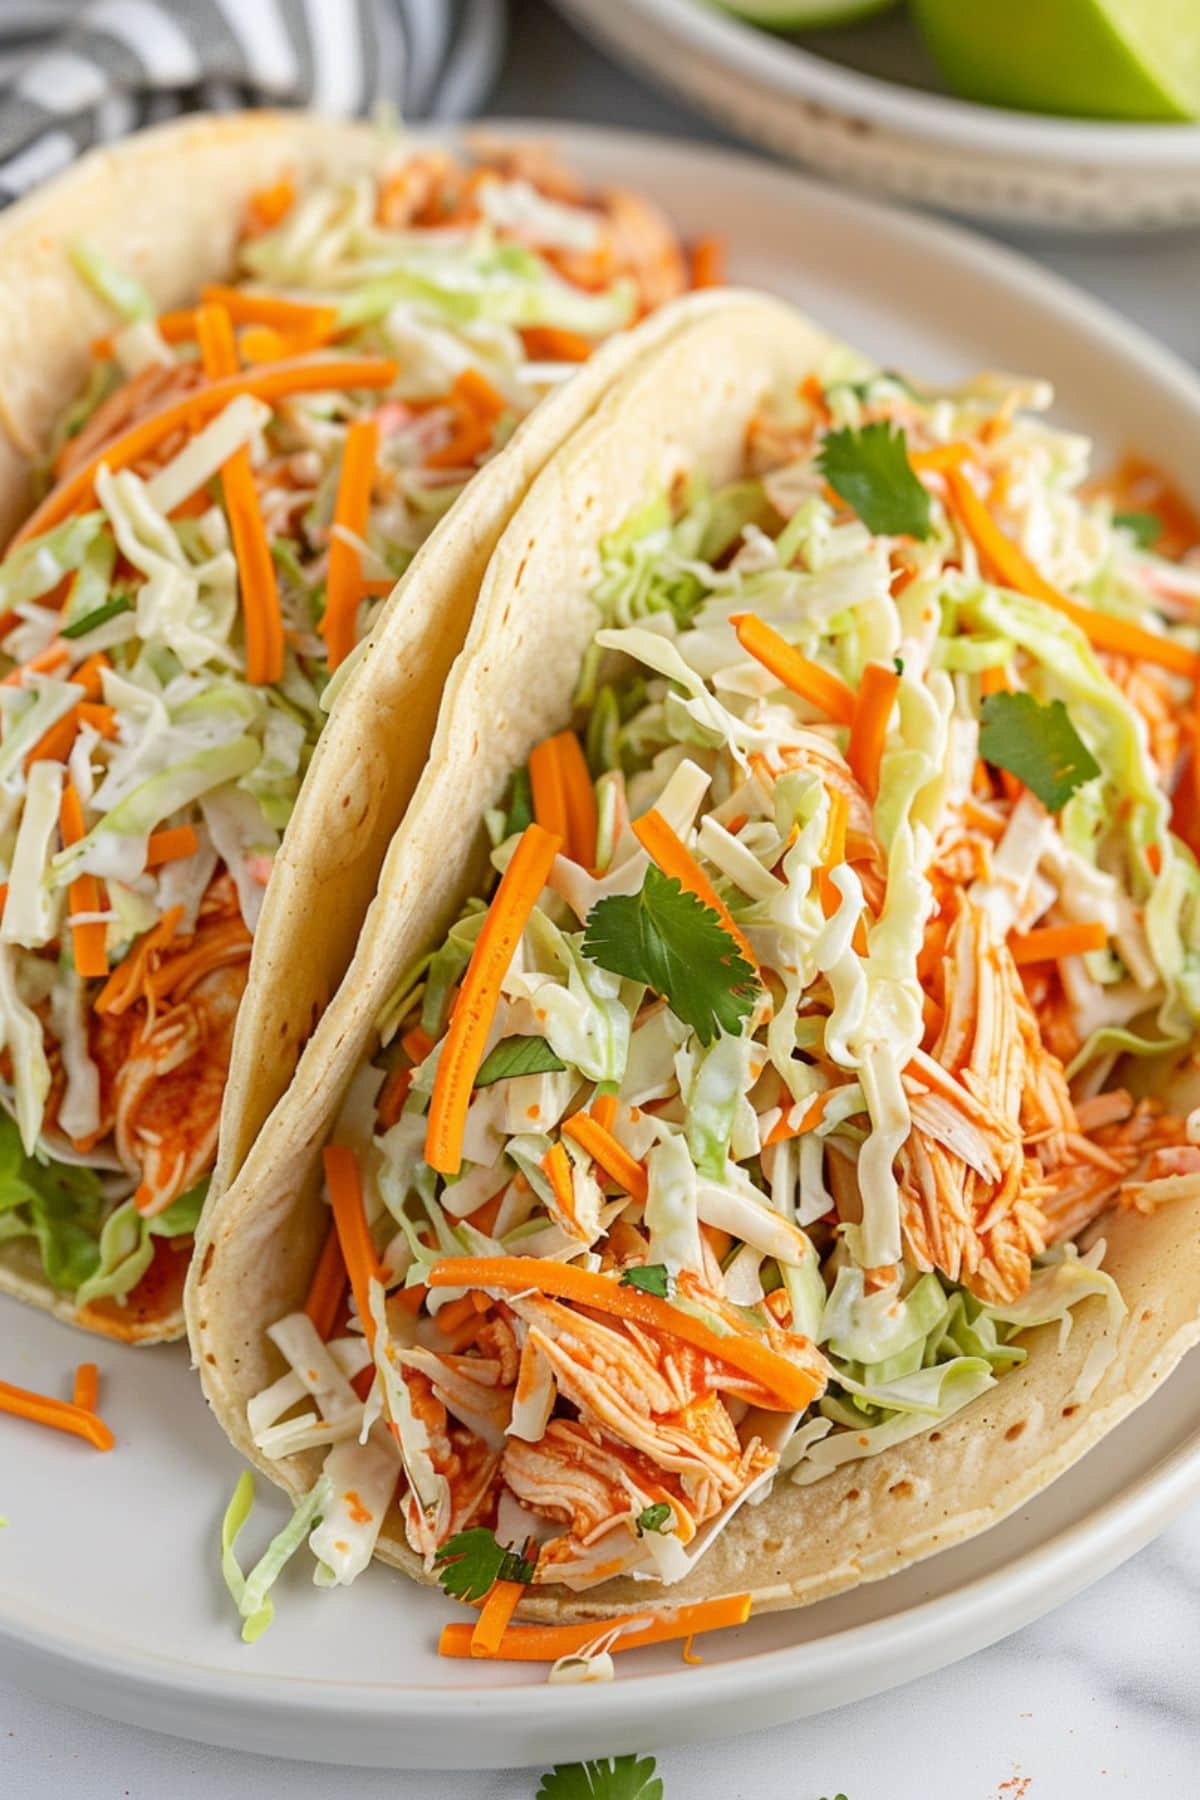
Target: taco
[(732, 1167), (246, 364)]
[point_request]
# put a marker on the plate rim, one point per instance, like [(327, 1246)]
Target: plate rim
[(140, 1688), (936, 118)]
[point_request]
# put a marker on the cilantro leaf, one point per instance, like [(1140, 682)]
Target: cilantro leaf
[(871, 471), (473, 1562), (667, 938), (518, 1056), (651, 1278), (1145, 528), (652, 1518), (622, 1778), (1038, 744)]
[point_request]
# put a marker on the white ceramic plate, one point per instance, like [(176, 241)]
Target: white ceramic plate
[(110, 1597), (922, 146)]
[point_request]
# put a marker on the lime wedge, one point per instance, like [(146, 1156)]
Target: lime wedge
[(804, 15), (1106, 59)]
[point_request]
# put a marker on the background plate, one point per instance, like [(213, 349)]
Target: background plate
[(897, 138), (109, 1593)]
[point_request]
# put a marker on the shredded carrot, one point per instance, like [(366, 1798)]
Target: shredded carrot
[(833, 851), (550, 343), (873, 709), (556, 1166), (83, 895), (300, 318), (674, 859), (612, 1156), (3, 897), (473, 389), (471, 438), (564, 800), (939, 459), (1137, 485), (464, 1044), (829, 693), (350, 1221), (812, 390), (1052, 941), (1006, 563), (604, 1110), (171, 845), (60, 1415), (264, 344), (708, 262), (995, 680), (352, 510), (55, 745), (744, 1350), (177, 327), (484, 1217), (458, 1312), (327, 1288), (788, 1126), (477, 406), (392, 1096), (100, 717), (546, 784), (268, 205), (44, 663), (719, 1242), (87, 1387), (306, 375), (128, 979), (689, 1655), (257, 577), (580, 798), (546, 1643), (217, 946), (416, 1044), (494, 1620)]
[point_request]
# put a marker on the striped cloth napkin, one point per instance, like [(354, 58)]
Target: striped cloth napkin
[(79, 72)]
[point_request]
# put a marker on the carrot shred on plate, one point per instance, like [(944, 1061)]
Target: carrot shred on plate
[(546, 1643), (501, 1603), (464, 1044), (86, 1391), (59, 1415)]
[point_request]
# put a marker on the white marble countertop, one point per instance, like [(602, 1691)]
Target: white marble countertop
[(1100, 1699)]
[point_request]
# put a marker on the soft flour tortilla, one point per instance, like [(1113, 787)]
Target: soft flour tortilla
[(686, 407), (166, 206)]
